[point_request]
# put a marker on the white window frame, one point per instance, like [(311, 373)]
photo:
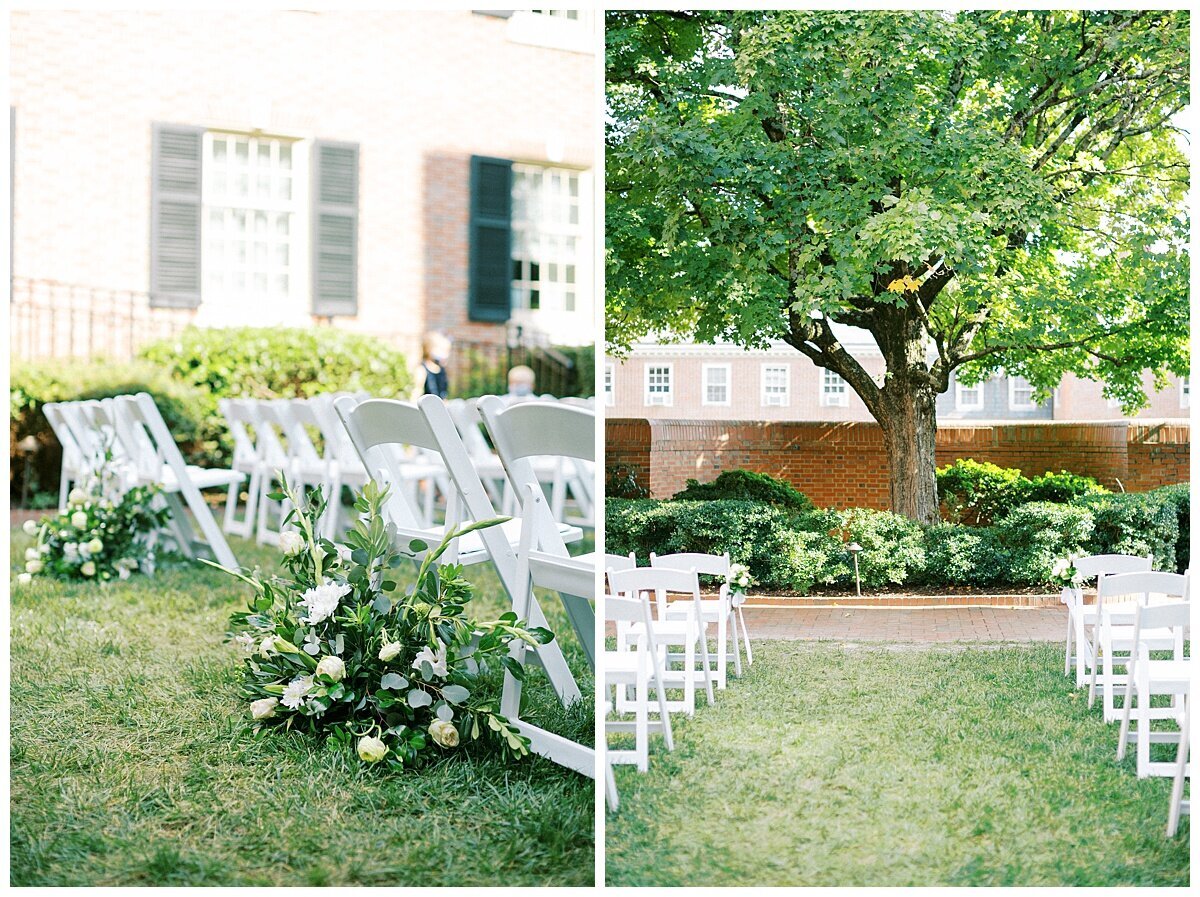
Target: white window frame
[(1012, 396), (774, 399), (536, 229), (296, 207), (665, 399), (551, 28), (706, 371), (829, 397), (1185, 392), (960, 404), (610, 384)]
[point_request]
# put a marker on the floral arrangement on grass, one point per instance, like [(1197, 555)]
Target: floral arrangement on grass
[(336, 649), (739, 580), (105, 532)]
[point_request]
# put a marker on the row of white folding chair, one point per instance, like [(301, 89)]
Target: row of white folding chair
[(144, 453), (638, 664), (1082, 631), (526, 551)]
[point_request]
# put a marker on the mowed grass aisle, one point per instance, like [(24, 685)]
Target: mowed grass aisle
[(133, 761), (894, 766)]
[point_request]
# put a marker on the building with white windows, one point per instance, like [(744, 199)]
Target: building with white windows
[(387, 172), (691, 381)]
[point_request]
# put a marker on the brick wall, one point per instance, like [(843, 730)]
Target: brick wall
[(844, 465)]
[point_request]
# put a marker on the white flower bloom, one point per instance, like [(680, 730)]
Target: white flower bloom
[(24, 579), (344, 552), (88, 569), (123, 572), (79, 519), (95, 546), (371, 749), (30, 527), (294, 694), (437, 660), (245, 641), (43, 549), (333, 667), (443, 733), (33, 567), (1060, 568), (31, 554), (264, 708), (267, 648), (77, 496), (71, 550), (321, 601), (390, 650), (291, 543)]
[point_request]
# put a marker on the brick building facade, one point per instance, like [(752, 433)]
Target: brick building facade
[(386, 172)]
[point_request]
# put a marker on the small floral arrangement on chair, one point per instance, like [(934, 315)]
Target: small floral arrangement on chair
[(337, 649), (1065, 574), (105, 532), (739, 580)]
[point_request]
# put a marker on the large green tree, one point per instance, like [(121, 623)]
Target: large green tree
[(978, 190)]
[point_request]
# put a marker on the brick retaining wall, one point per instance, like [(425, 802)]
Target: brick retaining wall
[(844, 464)]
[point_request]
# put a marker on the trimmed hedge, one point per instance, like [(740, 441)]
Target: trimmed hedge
[(796, 551), (746, 485), (979, 492)]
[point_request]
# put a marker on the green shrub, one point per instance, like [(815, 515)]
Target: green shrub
[(746, 485), (1135, 523), (1180, 497), (962, 555), (1060, 487), (892, 546), (1031, 537), (978, 491), (184, 408), (764, 538)]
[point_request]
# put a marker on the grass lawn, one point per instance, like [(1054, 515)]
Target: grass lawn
[(133, 761), (827, 765)]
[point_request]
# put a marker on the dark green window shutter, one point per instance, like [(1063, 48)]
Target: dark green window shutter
[(489, 295), (175, 215), (335, 228)]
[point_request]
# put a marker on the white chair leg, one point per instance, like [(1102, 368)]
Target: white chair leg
[(746, 636), (642, 722), (737, 647), (1143, 737), (1123, 737), (1070, 633), (689, 680), (610, 788), (722, 650), (1181, 763)]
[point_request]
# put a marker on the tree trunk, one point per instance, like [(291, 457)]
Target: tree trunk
[(909, 421)]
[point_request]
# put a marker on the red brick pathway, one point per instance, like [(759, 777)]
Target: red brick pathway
[(903, 624)]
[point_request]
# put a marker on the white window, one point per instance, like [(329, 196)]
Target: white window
[(659, 389), (252, 219), (610, 398), (560, 29), (1185, 392), (548, 218), (776, 384), (716, 384), (968, 398), (834, 390), (1020, 394)]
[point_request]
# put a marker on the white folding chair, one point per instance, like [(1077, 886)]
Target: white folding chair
[(1081, 617), (148, 443), (1117, 599), (1150, 677), (719, 610), (381, 429), (89, 440), (345, 468), (522, 434), (639, 667), (73, 466), (683, 628), (248, 460), (1179, 804)]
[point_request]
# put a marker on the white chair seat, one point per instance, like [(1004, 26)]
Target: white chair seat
[(1169, 676), (202, 477)]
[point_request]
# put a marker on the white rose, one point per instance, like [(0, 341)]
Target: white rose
[(332, 667), (77, 497), (30, 527), (31, 554), (95, 546), (291, 543), (263, 709), (32, 567), (267, 647), (371, 749), (390, 650), (24, 579), (443, 733), (88, 568), (79, 520)]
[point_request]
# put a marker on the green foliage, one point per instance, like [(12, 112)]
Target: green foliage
[(962, 555), (746, 485), (1137, 523), (981, 492), (185, 409), (893, 547), (333, 650), (1033, 536)]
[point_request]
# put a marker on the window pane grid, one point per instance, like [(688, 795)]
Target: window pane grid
[(546, 237)]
